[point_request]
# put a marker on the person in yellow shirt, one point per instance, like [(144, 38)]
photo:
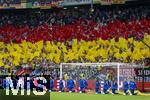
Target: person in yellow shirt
[(66, 76)]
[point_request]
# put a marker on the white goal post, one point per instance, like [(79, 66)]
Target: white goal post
[(115, 65)]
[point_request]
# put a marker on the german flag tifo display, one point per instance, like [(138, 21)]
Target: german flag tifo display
[(74, 49)]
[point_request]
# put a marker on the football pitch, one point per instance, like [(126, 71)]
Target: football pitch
[(77, 96), (71, 96)]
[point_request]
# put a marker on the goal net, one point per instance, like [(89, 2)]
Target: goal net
[(118, 72)]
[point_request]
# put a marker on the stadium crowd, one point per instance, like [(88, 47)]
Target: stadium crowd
[(71, 35)]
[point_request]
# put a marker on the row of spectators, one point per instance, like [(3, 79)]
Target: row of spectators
[(61, 16)]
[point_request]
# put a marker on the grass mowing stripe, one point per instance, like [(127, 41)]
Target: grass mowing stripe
[(77, 96)]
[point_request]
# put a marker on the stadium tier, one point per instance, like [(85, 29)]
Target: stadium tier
[(71, 35)]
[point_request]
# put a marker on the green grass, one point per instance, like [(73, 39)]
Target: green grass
[(77, 96), (71, 96)]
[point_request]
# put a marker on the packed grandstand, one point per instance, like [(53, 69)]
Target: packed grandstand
[(43, 39), (72, 35)]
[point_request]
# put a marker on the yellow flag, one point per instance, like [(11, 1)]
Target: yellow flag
[(7, 66), (130, 40), (16, 63), (1, 63), (112, 42), (117, 55), (2, 45)]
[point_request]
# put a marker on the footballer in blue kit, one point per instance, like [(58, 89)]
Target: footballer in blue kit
[(51, 84), (70, 85), (133, 87), (106, 86), (61, 86), (83, 85), (125, 87), (114, 87), (97, 85)]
